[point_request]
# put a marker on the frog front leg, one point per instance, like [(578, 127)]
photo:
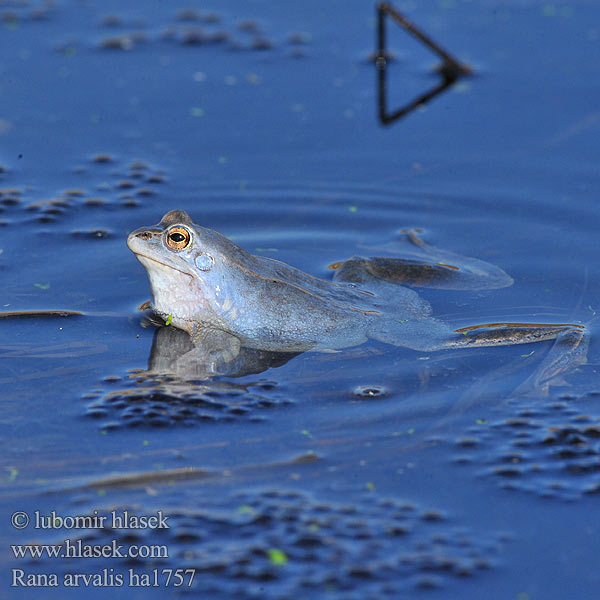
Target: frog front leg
[(213, 348), (422, 265), (205, 353)]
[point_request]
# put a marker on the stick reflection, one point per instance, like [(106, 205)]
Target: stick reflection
[(450, 71)]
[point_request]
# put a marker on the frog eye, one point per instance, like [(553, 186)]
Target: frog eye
[(178, 238)]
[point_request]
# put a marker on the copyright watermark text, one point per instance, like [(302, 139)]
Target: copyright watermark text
[(79, 547)]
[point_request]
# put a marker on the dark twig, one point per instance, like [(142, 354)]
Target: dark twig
[(39, 313), (450, 70), (385, 8)]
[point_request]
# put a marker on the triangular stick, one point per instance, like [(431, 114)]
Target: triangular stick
[(450, 70)]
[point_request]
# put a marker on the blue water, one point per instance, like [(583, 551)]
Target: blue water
[(443, 485)]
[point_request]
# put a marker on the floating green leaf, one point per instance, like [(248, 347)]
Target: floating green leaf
[(277, 557)]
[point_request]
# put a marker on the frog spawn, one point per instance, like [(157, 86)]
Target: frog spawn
[(118, 184), (164, 401), (284, 544), (191, 29), (552, 451)]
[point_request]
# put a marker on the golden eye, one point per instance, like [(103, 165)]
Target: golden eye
[(178, 238)]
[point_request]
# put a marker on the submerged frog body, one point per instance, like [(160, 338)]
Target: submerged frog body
[(204, 284)]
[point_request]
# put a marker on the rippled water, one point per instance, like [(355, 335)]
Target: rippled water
[(371, 472)]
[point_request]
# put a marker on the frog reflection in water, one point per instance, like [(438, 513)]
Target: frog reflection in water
[(226, 298)]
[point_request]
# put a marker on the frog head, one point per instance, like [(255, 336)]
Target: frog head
[(188, 267)]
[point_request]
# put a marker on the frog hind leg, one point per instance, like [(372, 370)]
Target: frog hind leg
[(417, 334), (422, 265), (569, 349)]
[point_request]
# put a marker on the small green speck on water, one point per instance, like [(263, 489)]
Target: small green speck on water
[(401, 320), (313, 527), (12, 473), (307, 433), (277, 557), (353, 208), (145, 443), (101, 492), (410, 431), (370, 486), (481, 421), (245, 509), (222, 160), (526, 355), (42, 286), (169, 320), (196, 111), (103, 431), (266, 249)]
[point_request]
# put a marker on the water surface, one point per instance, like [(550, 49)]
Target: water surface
[(371, 472)]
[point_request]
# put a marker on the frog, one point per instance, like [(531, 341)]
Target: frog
[(226, 298)]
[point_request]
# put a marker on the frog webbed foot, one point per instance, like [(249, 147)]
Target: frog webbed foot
[(421, 265), (567, 353), (353, 270)]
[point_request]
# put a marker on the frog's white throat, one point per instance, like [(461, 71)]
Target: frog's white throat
[(175, 294)]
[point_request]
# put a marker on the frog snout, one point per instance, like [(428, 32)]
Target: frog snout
[(139, 236), (144, 235)]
